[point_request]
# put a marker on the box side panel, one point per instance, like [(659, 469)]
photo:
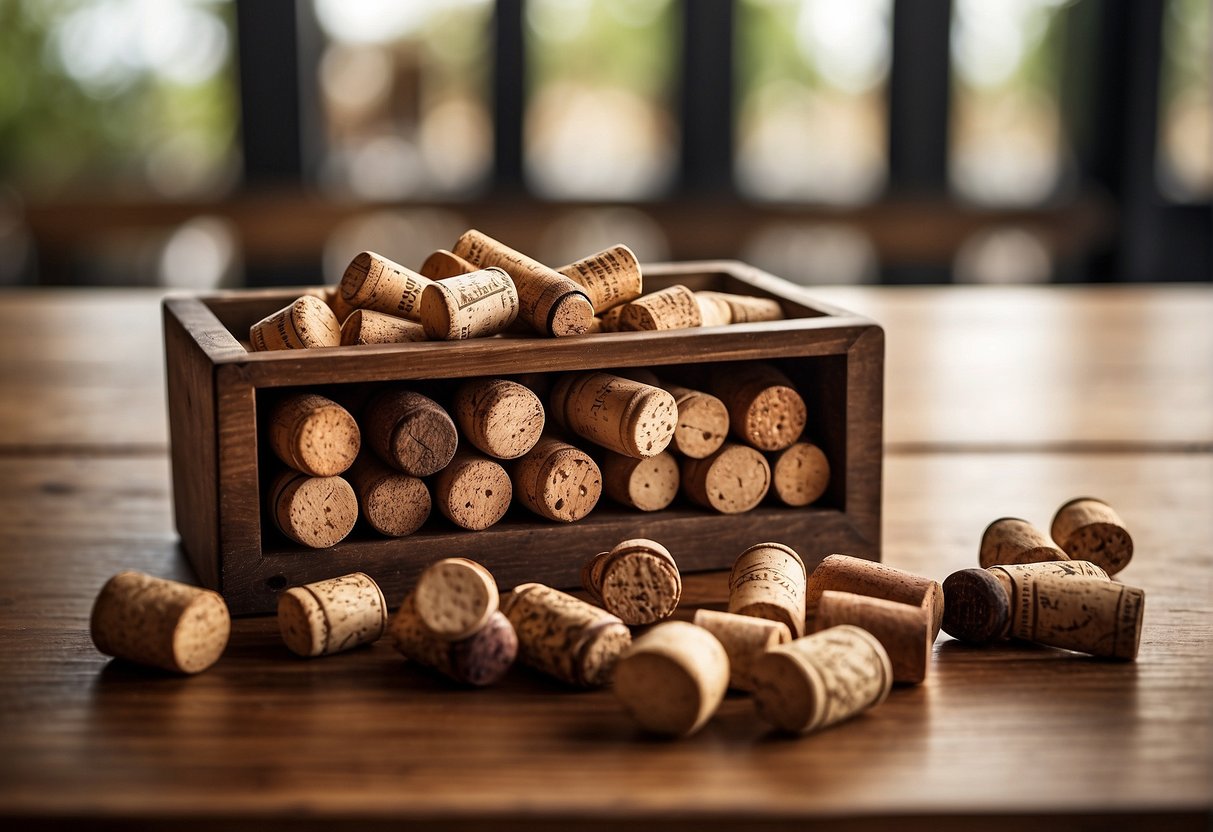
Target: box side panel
[(239, 501)]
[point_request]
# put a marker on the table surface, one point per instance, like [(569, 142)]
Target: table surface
[(999, 401)]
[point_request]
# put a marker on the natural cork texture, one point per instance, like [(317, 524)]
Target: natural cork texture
[(502, 418), (549, 302), (443, 264), (744, 309), (610, 277), (479, 660), (473, 491), (744, 638), (703, 422), (474, 305), (768, 581), (637, 580), (713, 310), (341, 309), (904, 630), (1088, 615), (410, 432), (308, 323), (670, 308), (1089, 529), (313, 434), (644, 484), (672, 679), (455, 598), (394, 504), (332, 616), (844, 573), (317, 512), (1011, 540), (817, 681), (160, 623), (564, 636), (1056, 568), (622, 415), (557, 481), (732, 480), (364, 326), (800, 474), (610, 321), (371, 281), (764, 408)]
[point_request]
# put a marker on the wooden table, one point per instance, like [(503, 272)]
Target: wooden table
[(999, 401)]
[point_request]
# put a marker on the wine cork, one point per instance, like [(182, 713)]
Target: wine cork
[(341, 308), (1011, 540), (800, 474), (410, 432), (819, 680), (703, 422), (646, 484), (1058, 568), (313, 434), (564, 636), (768, 581), (481, 659), (557, 481), (365, 326), (744, 309), (1087, 615), (160, 623), (672, 679), (502, 418), (455, 597), (443, 264), (473, 491), (332, 616), (371, 281), (670, 308), (317, 512), (731, 481), (549, 302), (625, 416), (307, 323), (474, 305), (637, 580), (713, 310), (744, 638), (394, 504), (904, 630), (610, 320), (610, 277), (764, 408), (1089, 529), (844, 573)]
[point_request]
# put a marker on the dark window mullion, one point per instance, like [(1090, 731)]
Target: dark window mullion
[(706, 94)]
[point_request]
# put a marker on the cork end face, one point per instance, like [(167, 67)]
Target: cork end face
[(651, 425), (737, 480), (477, 496), (509, 422), (571, 315), (597, 658), (202, 633), (438, 313), (326, 441), (571, 485), (641, 588), (703, 424), (660, 694), (976, 607), (301, 622), (355, 275), (455, 598), (1107, 545), (485, 658), (774, 419), (653, 483), (801, 474), (397, 505), (314, 323), (424, 441), (787, 691), (320, 512)]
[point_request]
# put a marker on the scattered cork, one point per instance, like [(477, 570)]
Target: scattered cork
[(670, 308), (364, 326), (1089, 529), (313, 434), (768, 581), (904, 630), (610, 277), (332, 616), (637, 580), (800, 474), (317, 512), (371, 281), (395, 504), (1087, 615), (473, 491), (443, 264), (622, 415), (502, 418), (1011, 540), (481, 659), (844, 573), (744, 309), (764, 408), (744, 638), (731, 481), (455, 598), (473, 305), (557, 481), (308, 323), (410, 432), (645, 484)]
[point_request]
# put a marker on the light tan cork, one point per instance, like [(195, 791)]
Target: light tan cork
[(1089, 529), (474, 305), (410, 432), (622, 415), (395, 504), (160, 623), (481, 659), (610, 277), (365, 326), (549, 302), (644, 484), (670, 308), (672, 679), (703, 422), (371, 281), (844, 573), (341, 308), (308, 323), (317, 512), (744, 309), (731, 481), (313, 434), (713, 310), (637, 580), (502, 418), (473, 491), (557, 481), (443, 264), (904, 630), (1057, 568), (564, 636), (744, 638), (819, 680), (800, 474), (455, 598), (1088, 615), (768, 581), (327, 617), (1011, 540), (764, 408)]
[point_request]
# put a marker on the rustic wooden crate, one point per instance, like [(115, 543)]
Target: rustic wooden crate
[(216, 388)]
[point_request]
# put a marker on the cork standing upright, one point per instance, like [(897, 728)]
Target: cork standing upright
[(1089, 529), (637, 580), (768, 581)]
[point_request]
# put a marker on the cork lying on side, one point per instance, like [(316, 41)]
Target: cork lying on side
[(904, 630), (610, 277), (1089, 529), (317, 512), (670, 308), (327, 617), (744, 638), (313, 434), (1012, 540), (637, 580), (765, 410), (844, 573), (474, 305), (365, 326), (478, 660), (394, 504), (564, 636), (371, 281), (410, 432), (473, 491), (308, 323), (732, 480), (557, 481), (502, 418), (622, 415), (800, 474)]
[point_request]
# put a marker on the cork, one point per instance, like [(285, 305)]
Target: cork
[(731, 481), (410, 432), (307, 323), (768, 581), (713, 310), (744, 638), (670, 308), (502, 418), (365, 326), (538, 383), (479, 660), (703, 422), (844, 573), (1087, 615), (564, 636), (744, 309), (474, 305), (904, 630), (764, 408), (1011, 540), (637, 580), (159, 623), (1058, 568), (371, 281), (313, 434), (610, 277), (645, 484), (394, 504), (1089, 529), (455, 597), (332, 616), (443, 264), (557, 481), (549, 302), (800, 474), (624, 416), (611, 320), (317, 512), (473, 491), (341, 308), (672, 679), (822, 679)]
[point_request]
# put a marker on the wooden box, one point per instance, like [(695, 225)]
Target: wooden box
[(216, 389)]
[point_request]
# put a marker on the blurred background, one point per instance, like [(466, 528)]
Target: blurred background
[(215, 143)]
